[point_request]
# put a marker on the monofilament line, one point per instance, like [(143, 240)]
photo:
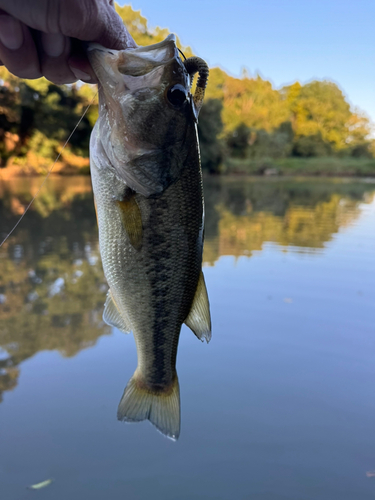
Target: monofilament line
[(49, 171)]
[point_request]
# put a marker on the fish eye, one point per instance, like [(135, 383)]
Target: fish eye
[(177, 95)]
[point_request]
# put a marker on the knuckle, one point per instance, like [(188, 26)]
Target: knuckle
[(83, 21)]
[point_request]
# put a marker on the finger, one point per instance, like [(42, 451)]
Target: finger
[(101, 24), (83, 70), (112, 32), (79, 64), (54, 52), (42, 15), (17, 48), (91, 21)]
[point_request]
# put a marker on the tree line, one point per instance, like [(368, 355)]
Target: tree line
[(242, 118), (246, 118)]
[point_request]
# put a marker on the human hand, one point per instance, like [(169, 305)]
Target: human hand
[(44, 37)]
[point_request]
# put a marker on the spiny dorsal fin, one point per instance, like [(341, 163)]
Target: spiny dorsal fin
[(132, 220), (112, 316), (199, 318)]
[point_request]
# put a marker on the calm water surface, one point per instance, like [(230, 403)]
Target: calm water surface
[(280, 405)]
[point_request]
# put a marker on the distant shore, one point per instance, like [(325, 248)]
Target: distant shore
[(59, 169), (319, 166), (311, 167)]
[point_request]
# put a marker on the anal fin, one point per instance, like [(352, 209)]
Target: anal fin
[(112, 316), (199, 317)]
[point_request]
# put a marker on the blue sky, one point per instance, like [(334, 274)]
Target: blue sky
[(283, 41)]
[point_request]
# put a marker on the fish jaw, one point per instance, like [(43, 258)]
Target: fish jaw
[(133, 84), (142, 125)]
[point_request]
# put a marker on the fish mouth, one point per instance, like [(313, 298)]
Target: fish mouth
[(126, 70), (144, 111)]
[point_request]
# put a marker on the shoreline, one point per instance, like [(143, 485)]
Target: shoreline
[(305, 167), (232, 176), (323, 167)]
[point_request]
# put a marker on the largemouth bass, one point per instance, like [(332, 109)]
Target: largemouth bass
[(147, 184)]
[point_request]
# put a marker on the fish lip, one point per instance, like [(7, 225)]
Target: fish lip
[(93, 49), (170, 38), (100, 48), (96, 46)]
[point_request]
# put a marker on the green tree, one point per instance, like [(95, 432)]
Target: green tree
[(311, 145), (275, 144), (238, 141), (209, 128)]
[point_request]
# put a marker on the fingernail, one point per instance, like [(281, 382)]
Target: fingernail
[(80, 75), (53, 44), (11, 35)]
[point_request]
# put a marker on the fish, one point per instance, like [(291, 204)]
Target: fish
[(148, 193)]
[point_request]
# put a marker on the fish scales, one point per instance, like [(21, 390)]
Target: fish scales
[(150, 210), (168, 262)]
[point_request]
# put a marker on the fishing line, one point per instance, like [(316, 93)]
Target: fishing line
[(50, 170), (183, 55)]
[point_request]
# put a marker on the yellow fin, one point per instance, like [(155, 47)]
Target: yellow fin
[(199, 318), (132, 220), (112, 316), (161, 409)]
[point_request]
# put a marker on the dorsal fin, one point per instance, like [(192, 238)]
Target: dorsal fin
[(132, 220), (112, 316), (199, 318)]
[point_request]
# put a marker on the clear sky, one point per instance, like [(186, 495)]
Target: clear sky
[(283, 41)]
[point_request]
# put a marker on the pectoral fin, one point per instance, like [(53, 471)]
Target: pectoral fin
[(132, 220), (112, 316), (199, 318)]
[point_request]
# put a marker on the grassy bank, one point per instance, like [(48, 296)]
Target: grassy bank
[(319, 166)]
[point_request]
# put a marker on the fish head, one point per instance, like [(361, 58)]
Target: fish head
[(144, 96)]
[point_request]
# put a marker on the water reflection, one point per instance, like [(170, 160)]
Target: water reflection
[(52, 287), (51, 281), (242, 216)]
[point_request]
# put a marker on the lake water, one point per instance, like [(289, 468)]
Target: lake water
[(279, 406)]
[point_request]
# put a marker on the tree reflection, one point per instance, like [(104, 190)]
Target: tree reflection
[(52, 287), (242, 216)]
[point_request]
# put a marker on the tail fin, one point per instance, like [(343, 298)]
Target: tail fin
[(161, 409)]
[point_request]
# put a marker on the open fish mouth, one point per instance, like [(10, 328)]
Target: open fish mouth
[(118, 68), (131, 69)]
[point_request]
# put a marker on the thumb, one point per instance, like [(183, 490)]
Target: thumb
[(108, 29)]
